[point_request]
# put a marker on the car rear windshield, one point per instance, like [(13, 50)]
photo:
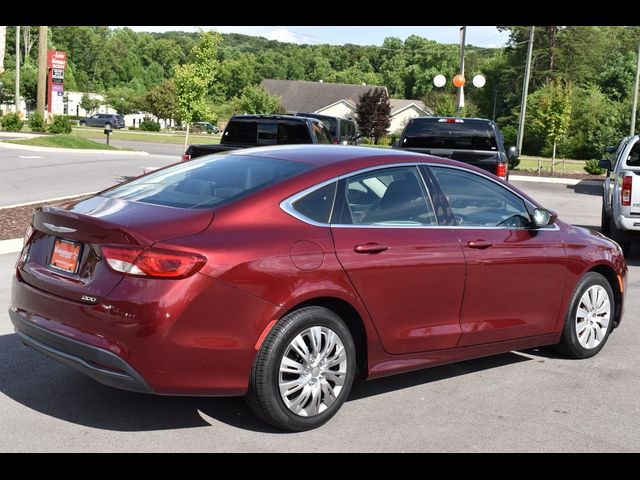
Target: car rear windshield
[(266, 133), (465, 135), (208, 182)]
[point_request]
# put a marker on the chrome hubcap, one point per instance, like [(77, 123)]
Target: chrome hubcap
[(593, 316), (312, 371)]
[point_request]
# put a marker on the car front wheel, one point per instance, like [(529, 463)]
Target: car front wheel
[(304, 370), (589, 320)]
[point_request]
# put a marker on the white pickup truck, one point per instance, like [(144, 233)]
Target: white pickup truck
[(621, 194)]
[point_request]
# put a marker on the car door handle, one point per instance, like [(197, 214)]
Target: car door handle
[(370, 248), (479, 244)]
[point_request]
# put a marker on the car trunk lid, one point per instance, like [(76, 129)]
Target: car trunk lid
[(62, 256)]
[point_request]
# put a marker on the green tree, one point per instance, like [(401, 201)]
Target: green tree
[(551, 113), (257, 100), (89, 104), (123, 99), (374, 113), (192, 80), (161, 101)]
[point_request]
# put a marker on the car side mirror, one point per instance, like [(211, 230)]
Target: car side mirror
[(513, 153), (543, 217), (606, 164)]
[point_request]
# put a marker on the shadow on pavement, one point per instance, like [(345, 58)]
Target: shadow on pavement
[(56, 390), (587, 187)]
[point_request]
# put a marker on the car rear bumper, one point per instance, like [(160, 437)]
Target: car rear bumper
[(631, 224), (97, 363)]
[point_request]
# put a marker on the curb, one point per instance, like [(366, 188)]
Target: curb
[(10, 246), (46, 200), (14, 146), (561, 181)]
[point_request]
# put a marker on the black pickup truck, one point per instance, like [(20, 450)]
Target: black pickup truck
[(245, 131), (476, 141)]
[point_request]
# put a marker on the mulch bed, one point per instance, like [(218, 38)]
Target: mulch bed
[(577, 176), (14, 221)]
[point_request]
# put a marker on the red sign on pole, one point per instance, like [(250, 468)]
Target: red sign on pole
[(56, 62)]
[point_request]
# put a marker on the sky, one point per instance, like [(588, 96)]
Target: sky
[(481, 36)]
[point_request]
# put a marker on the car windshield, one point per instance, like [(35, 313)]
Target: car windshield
[(450, 134), (207, 182)]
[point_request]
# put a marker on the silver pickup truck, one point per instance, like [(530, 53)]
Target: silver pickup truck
[(621, 194)]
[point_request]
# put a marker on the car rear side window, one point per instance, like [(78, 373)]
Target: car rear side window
[(208, 182), (318, 204), (388, 197), (478, 202)]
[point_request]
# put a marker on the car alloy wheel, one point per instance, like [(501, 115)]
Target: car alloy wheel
[(593, 317)]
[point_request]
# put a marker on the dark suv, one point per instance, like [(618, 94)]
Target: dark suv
[(104, 119), (476, 141), (343, 130)]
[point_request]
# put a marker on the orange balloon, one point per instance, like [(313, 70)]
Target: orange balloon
[(458, 80)]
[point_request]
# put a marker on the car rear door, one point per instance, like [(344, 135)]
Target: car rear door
[(409, 274), (515, 276)]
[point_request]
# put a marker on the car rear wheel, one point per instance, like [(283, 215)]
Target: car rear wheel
[(82, 123), (108, 124), (589, 320), (304, 370)]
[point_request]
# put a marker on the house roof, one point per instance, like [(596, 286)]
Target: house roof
[(399, 104), (304, 96)]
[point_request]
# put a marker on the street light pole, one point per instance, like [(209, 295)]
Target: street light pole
[(460, 94), (525, 90), (635, 96), (16, 98)]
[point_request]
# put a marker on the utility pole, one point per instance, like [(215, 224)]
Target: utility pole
[(16, 98), (460, 95), (635, 96), (42, 71), (525, 90)]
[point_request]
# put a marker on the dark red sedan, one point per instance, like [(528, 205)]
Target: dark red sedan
[(283, 273)]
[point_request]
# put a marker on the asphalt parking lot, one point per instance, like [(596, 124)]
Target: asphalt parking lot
[(520, 401)]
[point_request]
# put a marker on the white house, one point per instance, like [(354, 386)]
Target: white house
[(338, 100)]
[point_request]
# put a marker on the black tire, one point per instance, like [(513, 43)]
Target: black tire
[(619, 236), (108, 124), (264, 397), (569, 344), (82, 123), (605, 222)]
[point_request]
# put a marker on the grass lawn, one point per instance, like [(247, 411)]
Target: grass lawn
[(570, 166), (175, 138), (65, 141)]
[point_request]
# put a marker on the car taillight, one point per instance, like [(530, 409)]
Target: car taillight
[(625, 196), (501, 170), (152, 262), (27, 235), (185, 157)]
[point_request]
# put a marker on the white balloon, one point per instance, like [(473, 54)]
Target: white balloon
[(479, 81), (439, 80)]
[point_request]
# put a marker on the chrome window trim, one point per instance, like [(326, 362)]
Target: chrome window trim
[(287, 204)]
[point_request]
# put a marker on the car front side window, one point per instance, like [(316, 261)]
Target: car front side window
[(478, 202)]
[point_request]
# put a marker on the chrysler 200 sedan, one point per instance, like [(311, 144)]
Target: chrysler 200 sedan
[(284, 273)]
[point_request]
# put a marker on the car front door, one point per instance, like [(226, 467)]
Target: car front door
[(94, 121), (515, 276), (409, 275)]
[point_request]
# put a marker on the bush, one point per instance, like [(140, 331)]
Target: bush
[(60, 124), (132, 128), (36, 122), (149, 125), (385, 141), (12, 122), (592, 167), (367, 141)]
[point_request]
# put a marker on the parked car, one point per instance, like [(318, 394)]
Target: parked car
[(476, 141), (284, 273), (343, 130), (620, 218), (209, 127), (103, 119), (245, 131)]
